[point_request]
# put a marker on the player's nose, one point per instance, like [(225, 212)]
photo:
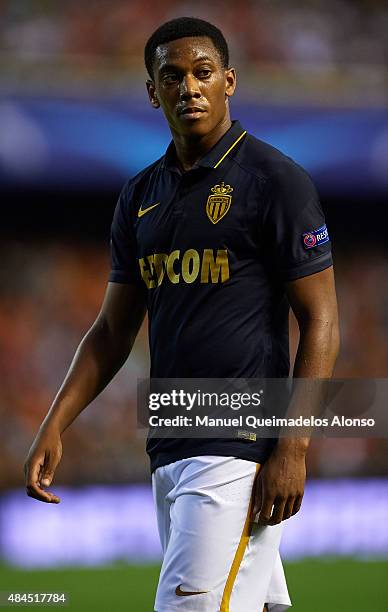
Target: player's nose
[(189, 88)]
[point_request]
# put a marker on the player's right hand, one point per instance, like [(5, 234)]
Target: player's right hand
[(41, 463)]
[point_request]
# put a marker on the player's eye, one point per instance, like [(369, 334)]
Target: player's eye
[(169, 79), (204, 73)]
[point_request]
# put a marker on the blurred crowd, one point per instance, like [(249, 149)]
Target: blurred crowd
[(51, 293), (304, 31), (308, 35)]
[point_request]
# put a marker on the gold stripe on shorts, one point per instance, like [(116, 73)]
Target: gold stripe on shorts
[(244, 539)]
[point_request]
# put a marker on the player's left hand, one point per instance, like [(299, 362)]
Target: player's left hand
[(279, 486)]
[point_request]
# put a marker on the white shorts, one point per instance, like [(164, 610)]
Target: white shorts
[(215, 558)]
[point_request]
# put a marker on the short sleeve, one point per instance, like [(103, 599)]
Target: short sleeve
[(294, 229), (124, 266)]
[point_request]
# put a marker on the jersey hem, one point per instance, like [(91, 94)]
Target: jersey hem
[(255, 457)]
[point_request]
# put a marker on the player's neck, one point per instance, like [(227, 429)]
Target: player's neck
[(190, 150)]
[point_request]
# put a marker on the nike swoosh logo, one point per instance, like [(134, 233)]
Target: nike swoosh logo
[(180, 593), (143, 211)]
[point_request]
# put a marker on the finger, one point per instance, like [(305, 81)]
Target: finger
[(34, 490), (44, 496), (288, 508), (32, 469), (40, 474), (266, 510), (48, 469), (257, 497), (297, 504), (278, 511)]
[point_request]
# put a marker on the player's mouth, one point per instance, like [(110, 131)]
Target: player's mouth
[(191, 112)]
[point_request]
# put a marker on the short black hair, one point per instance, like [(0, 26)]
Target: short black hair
[(180, 28)]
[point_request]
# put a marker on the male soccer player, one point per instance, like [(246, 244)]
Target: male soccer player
[(216, 238)]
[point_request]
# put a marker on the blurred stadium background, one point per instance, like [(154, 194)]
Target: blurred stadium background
[(74, 125)]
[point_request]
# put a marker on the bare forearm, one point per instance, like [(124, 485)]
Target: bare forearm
[(282, 483), (99, 356), (314, 304), (318, 349), (316, 356)]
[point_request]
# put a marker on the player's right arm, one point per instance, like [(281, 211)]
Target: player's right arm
[(101, 353)]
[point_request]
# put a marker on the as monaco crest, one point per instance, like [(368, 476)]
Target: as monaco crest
[(219, 203)]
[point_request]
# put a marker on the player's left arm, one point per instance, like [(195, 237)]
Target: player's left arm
[(280, 485)]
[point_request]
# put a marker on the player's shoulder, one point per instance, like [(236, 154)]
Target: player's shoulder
[(270, 166)]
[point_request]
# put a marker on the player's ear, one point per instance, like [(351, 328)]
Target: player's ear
[(152, 93), (230, 82)]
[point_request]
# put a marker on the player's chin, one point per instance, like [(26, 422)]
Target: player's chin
[(197, 129), (194, 122)]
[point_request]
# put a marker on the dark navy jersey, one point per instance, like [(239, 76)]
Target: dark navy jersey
[(212, 249)]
